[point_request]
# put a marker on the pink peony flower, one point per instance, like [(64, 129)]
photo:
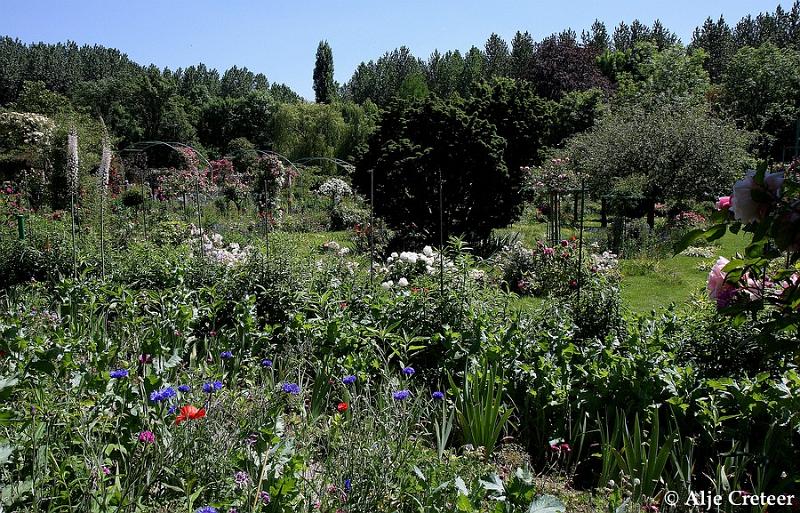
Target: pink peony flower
[(724, 203), (716, 279)]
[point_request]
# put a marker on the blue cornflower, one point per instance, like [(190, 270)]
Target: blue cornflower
[(401, 395), (291, 388), (348, 485), (226, 355), (438, 395), (408, 371), (158, 396), (118, 373), (266, 362), (212, 387), (172, 409), (184, 388), (349, 380), (206, 509)]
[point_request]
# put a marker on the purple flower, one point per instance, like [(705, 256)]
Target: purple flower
[(172, 409), (348, 485), (206, 509), (349, 380), (265, 498), (212, 387), (241, 479), (401, 395), (266, 362), (408, 371), (184, 388), (118, 373), (158, 396), (291, 388), (226, 355), (147, 437), (438, 395), (106, 470)]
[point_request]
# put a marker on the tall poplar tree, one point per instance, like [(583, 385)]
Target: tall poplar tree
[(324, 87)]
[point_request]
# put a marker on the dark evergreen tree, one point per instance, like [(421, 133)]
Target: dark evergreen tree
[(498, 59), (717, 41), (522, 49), (597, 37)]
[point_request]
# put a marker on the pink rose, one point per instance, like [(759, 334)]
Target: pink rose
[(724, 203)]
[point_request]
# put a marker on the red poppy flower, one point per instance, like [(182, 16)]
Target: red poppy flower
[(190, 412), (341, 407)]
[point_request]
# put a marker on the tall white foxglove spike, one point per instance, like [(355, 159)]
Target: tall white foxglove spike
[(105, 166), (72, 161)]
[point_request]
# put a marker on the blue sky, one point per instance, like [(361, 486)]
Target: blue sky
[(279, 39)]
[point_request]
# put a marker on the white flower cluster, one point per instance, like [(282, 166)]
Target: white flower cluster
[(335, 247), (335, 188), (216, 250), (605, 262), (32, 129), (409, 264)]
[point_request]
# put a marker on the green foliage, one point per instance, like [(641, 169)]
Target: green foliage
[(681, 151), (480, 406), (761, 88)]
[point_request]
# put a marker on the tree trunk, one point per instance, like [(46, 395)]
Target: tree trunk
[(651, 214), (603, 213)]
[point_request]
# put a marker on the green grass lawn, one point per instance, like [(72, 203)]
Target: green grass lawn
[(672, 280), (646, 284)]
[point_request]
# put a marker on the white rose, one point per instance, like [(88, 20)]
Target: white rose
[(387, 285), (402, 282), (774, 182), (411, 258), (742, 205), (427, 251), (394, 254)]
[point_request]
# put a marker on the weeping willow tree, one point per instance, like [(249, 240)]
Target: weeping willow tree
[(322, 130)]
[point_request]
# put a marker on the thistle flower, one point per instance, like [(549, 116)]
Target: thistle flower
[(72, 160)]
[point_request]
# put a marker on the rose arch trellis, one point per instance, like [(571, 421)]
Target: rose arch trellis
[(176, 147)]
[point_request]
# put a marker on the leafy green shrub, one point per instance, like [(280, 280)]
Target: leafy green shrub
[(345, 216)]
